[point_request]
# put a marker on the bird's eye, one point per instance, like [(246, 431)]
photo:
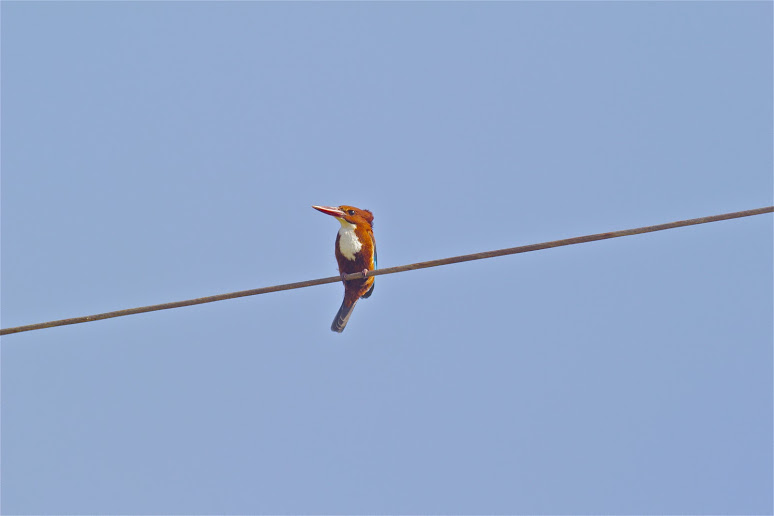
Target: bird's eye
[(351, 212)]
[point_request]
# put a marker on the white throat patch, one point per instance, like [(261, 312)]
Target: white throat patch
[(349, 243)]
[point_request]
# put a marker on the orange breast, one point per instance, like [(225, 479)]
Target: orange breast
[(364, 260)]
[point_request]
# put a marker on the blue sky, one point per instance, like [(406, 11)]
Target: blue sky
[(159, 151)]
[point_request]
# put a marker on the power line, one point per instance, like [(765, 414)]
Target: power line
[(391, 270)]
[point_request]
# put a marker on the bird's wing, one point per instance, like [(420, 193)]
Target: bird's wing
[(373, 241), (371, 290)]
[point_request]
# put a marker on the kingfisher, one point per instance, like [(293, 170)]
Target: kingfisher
[(355, 252)]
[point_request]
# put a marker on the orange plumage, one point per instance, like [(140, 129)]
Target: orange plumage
[(355, 252)]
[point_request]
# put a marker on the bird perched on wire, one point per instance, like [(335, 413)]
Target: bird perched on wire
[(355, 252)]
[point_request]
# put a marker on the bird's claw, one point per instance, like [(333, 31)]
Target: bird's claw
[(344, 275)]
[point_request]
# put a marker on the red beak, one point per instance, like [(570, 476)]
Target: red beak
[(329, 210)]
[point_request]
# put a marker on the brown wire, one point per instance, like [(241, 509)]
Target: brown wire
[(391, 270)]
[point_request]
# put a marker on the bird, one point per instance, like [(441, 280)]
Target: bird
[(355, 252)]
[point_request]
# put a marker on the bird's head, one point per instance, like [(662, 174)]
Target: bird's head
[(347, 215)]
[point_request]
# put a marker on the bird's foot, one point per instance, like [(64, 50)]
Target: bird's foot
[(344, 275)]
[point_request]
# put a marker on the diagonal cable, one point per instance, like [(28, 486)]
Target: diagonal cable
[(391, 270)]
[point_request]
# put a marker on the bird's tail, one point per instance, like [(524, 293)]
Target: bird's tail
[(340, 321)]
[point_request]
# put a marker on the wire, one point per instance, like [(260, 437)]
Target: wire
[(390, 270)]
